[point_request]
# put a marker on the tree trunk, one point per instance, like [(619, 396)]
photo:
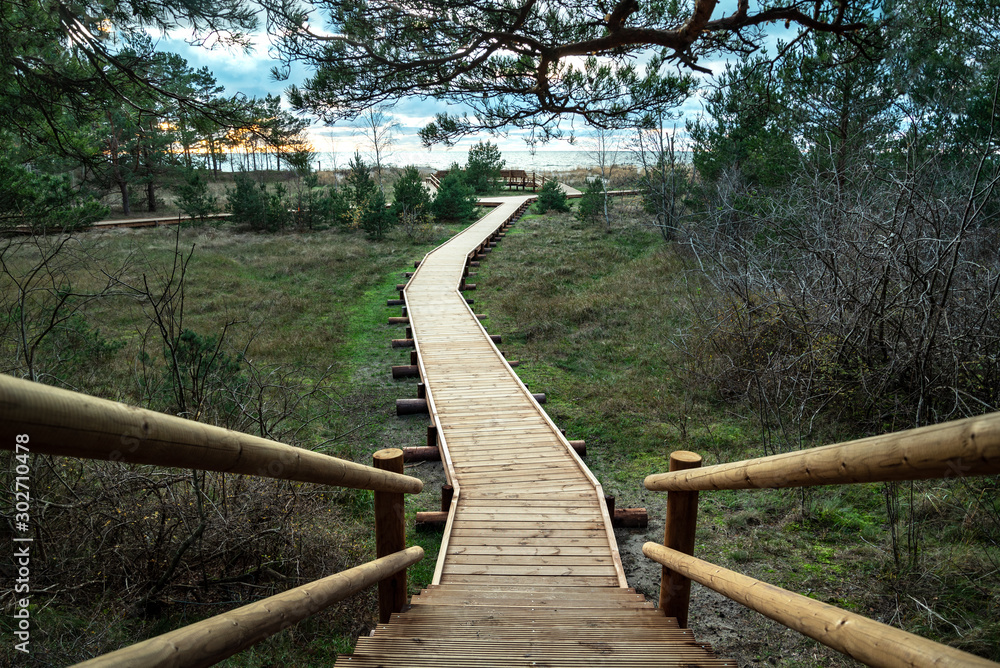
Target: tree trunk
[(126, 205), (151, 195)]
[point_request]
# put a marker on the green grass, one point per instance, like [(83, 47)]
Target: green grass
[(599, 322), (304, 302)]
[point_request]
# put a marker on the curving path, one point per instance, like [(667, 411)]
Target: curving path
[(529, 572)]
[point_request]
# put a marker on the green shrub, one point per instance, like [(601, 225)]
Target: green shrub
[(551, 198), (455, 201), (360, 184), (589, 207), (377, 218), (483, 167), (43, 201), (410, 197), (193, 197), (252, 204)]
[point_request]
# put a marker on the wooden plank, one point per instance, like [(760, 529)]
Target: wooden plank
[(462, 539), (495, 570), (558, 518), (589, 559), (564, 581)]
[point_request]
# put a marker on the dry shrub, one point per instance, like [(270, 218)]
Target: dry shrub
[(877, 300), (154, 536)]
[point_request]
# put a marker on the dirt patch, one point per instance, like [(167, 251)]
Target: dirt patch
[(735, 632)]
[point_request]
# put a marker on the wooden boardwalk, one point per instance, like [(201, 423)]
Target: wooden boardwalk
[(529, 571)]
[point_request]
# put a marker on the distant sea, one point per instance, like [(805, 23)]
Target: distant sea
[(539, 161)]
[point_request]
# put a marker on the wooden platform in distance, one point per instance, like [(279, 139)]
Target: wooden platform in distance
[(529, 571)]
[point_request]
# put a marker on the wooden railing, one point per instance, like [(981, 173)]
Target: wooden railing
[(969, 447), (40, 419)]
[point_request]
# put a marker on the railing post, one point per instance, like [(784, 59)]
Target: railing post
[(390, 535), (678, 534)]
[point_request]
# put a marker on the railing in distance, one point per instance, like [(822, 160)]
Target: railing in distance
[(61, 422), (968, 447)]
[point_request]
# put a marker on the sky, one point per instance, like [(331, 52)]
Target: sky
[(250, 74)]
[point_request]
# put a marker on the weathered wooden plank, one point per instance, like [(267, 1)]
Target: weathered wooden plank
[(565, 581)]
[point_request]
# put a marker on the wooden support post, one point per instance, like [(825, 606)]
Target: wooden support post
[(496, 338), (609, 501), (405, 371), (416, 264), (409, 332), (432, 437), (402, 296), (405, 314), (413, 357), (678, 534), (390, 535), (402, 343), (400, 286), (580, 447), (466, 286), (395, 302), (447, 494), (480, 316), (399, 321), (421, 391), (473, 263)]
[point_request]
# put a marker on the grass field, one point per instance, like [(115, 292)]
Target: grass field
[(600, 322)]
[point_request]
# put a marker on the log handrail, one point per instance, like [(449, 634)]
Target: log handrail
[(62, 422), (866, 640), (207, 642), (967, 447)]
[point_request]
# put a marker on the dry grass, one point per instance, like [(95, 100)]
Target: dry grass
[(599, 321), (602, 322), (310, 306)]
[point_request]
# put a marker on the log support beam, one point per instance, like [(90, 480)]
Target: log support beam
[(405, 371)]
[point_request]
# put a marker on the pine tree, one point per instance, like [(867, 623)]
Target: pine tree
[(455, 201), (551, 198)]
